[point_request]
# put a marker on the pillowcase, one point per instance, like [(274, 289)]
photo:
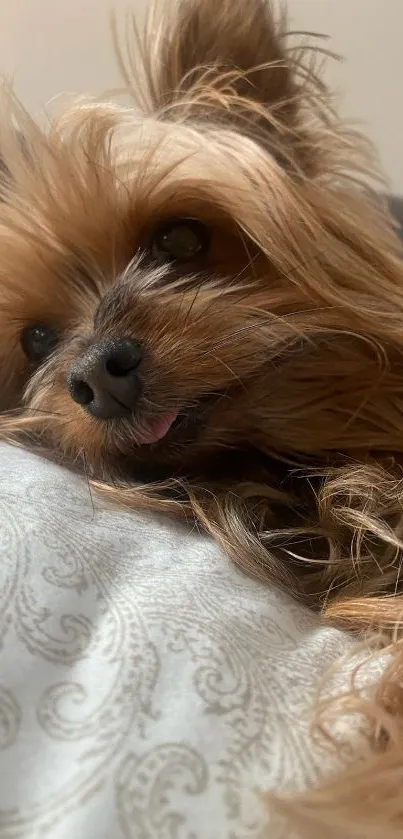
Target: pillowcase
[(148, 688)]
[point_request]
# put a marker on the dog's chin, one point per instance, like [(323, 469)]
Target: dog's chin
[(165, 445)]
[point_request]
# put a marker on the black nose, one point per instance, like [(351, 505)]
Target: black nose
[(105, 379)]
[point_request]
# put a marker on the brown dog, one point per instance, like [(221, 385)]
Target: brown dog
[(204, 297)]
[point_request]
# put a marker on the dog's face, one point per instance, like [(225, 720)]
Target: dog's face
[(198, 278)]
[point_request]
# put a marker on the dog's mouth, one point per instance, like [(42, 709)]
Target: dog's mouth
[(163, 444), (159, 428), (176, 424)]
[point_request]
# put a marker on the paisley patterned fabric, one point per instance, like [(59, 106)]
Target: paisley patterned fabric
[(148, 689)]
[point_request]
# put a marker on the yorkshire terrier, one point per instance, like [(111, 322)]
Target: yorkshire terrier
[(200, 306)]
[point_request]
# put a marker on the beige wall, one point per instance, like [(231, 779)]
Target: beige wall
[(63, 45)]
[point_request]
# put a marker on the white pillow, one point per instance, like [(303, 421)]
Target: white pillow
[(147, 686)]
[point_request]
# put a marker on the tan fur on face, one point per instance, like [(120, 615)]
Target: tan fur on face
[(283, 347)]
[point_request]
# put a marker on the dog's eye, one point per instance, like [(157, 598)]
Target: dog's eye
[(181, 240), (38, 340)]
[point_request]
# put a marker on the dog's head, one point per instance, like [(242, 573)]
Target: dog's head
[(204, 275)]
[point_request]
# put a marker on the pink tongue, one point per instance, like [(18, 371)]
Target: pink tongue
[(158, 429)]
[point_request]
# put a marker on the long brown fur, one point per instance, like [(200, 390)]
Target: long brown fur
[(283, 348)]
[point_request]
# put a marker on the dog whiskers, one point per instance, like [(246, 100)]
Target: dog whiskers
[(84, 459), (25, 412)]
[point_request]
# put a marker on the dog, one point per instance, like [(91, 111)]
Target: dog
[(201, 302)]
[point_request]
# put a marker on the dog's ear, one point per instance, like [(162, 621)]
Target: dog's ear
[(229, 39), (227, 61)]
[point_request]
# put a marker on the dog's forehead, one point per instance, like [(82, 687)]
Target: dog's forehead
[(102, 177), (207, 156)]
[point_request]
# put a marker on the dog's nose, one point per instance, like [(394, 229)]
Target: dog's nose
[(105, 379)]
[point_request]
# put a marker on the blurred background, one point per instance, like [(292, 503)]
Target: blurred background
[(51, 46)]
